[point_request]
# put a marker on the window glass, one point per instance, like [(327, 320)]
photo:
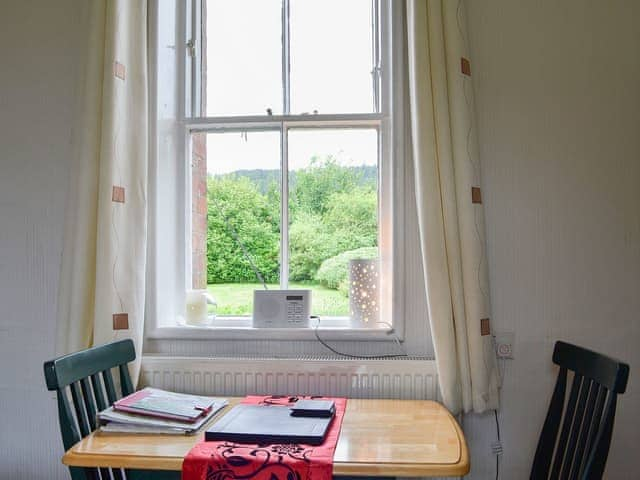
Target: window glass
[(242, 65), (331, 56), (333, 210), (243, 217), (299, 58)]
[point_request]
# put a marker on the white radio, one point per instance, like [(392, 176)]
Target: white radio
[(281, 308)]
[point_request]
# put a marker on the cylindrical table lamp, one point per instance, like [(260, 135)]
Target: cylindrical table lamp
[(364, 298)]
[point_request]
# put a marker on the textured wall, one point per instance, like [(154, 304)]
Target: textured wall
[(558, 106), (558, 103), (38, 54)]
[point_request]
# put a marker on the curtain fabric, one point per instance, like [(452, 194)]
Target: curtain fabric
[(102, 284), (450, 212)]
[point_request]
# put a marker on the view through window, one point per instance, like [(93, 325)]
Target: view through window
[(285, 169)]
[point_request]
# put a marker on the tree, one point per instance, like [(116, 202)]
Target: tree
[(352, 218), (312, 186), (332, 209), (234, 204), (349, 222)]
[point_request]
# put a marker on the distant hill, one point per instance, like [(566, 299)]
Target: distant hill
[(263, 178)]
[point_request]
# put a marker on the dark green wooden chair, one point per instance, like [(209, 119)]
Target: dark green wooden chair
[(84, 385)]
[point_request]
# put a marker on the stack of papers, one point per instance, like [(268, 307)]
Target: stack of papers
[(157, 411)]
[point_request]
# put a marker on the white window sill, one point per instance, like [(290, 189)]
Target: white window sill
[(241, 329)]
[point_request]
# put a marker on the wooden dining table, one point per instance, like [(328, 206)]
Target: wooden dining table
[(385, 438)]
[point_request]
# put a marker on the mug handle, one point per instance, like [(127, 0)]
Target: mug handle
[(210, 299)]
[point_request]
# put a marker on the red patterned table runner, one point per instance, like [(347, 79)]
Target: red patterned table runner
[(240, 461)]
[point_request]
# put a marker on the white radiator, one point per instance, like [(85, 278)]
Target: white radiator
[(413, 378)]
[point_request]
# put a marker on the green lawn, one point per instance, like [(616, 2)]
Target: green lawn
[(237, 298)]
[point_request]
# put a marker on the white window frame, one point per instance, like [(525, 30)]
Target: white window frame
[(172, 126)]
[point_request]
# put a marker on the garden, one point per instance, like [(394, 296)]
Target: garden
[(333, 217)]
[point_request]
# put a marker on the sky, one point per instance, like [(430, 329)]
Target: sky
[(331, 61)]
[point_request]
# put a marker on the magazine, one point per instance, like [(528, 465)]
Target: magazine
[(118, 421), (170, 405)]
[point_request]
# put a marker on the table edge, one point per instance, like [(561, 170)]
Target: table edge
[(354, 469)]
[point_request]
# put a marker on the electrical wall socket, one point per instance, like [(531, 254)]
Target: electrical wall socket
[(504, 344)]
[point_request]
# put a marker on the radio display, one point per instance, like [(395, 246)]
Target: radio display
[(294, 297)]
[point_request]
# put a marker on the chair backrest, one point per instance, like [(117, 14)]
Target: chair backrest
[(579, 450), (84, 385)]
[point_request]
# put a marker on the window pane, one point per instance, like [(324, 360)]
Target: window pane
[(243, 213), (333, 210), (243, 67), (331, 56)]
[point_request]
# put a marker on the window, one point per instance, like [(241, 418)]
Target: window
[(287, 163)]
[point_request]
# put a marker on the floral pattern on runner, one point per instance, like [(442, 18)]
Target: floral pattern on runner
[(238, 461)]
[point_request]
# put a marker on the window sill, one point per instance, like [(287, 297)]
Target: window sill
[(334, 329)]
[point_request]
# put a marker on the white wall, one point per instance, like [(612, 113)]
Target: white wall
[(558, 100), (38, 53), (558, 106)]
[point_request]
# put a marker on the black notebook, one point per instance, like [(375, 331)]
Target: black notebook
[(268, 424)]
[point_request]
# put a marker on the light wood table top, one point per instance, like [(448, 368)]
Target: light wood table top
[(417, 438)]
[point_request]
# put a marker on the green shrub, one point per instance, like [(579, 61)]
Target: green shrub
[(310, 245), (334, 272)]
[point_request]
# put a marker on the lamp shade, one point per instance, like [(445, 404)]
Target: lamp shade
[(364, 298)]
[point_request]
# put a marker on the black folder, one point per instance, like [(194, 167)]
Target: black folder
[(268, 424)]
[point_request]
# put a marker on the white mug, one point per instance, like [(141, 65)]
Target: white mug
[(196, 307)]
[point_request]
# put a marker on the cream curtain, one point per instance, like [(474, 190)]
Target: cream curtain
[(102, 285), (450, 212)]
